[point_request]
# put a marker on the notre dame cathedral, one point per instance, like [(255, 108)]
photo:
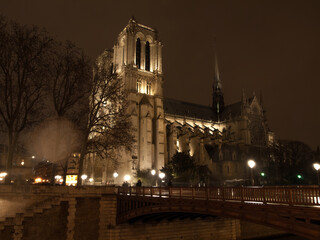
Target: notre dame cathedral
[(222, 136)]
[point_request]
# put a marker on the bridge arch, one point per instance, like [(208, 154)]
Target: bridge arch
[(300, 220)]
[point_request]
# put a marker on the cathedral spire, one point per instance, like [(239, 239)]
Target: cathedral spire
[(218, 99)]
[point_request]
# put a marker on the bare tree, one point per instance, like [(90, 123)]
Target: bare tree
[(70, 74), (108, 127), (23, 64), (68, 85)]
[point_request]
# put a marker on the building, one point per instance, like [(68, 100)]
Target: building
[(222, 136)]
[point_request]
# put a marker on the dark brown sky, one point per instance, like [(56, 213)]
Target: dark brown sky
[(268, 46)]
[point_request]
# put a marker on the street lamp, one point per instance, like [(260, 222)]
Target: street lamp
[(84, 177), (127, 178), (115, 174), (153, 172), (316, 166), (161, 176), (251, 165)]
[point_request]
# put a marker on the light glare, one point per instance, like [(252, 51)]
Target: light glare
[(84, 177), (316, 166), (251, 164), (162, 175), (127, 177)]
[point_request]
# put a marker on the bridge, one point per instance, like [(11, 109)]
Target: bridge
[(293, 209)]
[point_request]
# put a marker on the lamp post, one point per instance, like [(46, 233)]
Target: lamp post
[(127, 178), (161, 176), (115, 174), (317, 167), (153, 173), (251, 165), (84, 177)]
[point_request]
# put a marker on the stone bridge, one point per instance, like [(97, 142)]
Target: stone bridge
[(292, 209), (109, 213)]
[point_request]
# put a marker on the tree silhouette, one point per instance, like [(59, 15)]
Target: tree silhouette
[(23, 68)]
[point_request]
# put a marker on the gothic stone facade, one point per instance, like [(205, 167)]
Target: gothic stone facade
[(221, 136)]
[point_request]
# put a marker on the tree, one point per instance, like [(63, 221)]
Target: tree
[(23, 67), (183, 168), (69, 77), (108, 127), (68, 87), (292, 158)]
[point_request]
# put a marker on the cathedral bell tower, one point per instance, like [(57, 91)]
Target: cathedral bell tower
[(137, 58)]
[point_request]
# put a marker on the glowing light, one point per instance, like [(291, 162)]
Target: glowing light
[(115, 174), (38, 180), (299, 176), (162, 175), (153, 172), (127, 177), (316, 166), (57, 177), (22, 162), (251, 164), (33, 157), (3, 174), (262, 174), (90, 179), (71, 180), (84, 177)]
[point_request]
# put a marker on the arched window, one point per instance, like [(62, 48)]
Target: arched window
[(147, 56), (138, 53), (138, 86), (149, 88)]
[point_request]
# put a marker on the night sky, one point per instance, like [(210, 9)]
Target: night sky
[(271, 47)]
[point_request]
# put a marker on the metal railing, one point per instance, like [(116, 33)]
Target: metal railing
[(298, 195)]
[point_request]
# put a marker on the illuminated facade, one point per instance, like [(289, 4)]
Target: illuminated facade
[(220, 136)]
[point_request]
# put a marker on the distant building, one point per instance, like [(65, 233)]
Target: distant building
[(223, 136)]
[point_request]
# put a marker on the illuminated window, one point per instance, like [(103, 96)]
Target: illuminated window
[(138, 86), (149, 88), (147, 56), (138, 53)]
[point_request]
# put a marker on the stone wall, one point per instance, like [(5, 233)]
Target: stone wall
[(87, 219), (187, 229), (50, 224), (251, 230)]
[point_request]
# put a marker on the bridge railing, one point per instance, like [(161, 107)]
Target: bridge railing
[(298, 195)]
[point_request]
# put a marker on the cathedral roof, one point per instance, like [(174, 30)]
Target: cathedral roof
[(176, 107), (231, 109), (185, 109)]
